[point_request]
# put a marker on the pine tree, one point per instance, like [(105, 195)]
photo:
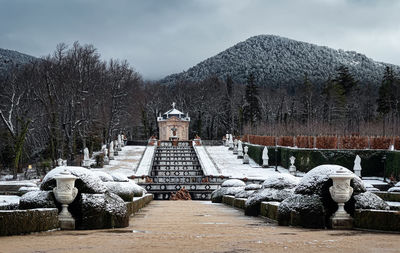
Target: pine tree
[(386, 99), (251, 110), (387, 96), (346, 80)]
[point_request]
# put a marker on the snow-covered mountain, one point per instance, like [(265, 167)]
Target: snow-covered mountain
[(276, 60), (10, 58)]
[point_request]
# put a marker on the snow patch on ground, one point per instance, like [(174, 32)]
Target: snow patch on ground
[(126, 161), (232, 167)]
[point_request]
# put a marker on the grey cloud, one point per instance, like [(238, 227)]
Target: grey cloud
[(166, 36)]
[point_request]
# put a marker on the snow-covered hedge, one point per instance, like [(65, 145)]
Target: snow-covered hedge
[(252, 205), (126, 190), (280, 181), (87, 182)]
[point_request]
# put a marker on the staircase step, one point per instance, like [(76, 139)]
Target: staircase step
[(167, 173), (168, 187)]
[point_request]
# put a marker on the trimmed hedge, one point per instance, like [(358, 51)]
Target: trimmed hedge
[(307, 159), (17, 222)]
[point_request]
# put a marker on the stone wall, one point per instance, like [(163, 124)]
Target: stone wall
[(16, 222)]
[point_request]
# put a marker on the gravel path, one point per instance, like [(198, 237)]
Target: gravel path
[(199, 226)]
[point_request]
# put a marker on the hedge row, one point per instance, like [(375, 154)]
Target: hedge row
[(326, 142), (306, 159)]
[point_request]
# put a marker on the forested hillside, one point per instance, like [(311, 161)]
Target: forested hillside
[(10, 59), (276, 61)]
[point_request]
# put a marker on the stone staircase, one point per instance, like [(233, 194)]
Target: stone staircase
[(175, 167)]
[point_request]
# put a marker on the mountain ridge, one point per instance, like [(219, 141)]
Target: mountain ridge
[(12, 58), (276, 60)]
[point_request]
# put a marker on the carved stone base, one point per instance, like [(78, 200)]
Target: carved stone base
[(341, 222), (86, 163), (67, 223), (246, 159)]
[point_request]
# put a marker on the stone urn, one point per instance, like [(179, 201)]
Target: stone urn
[(65, 193), (341, 192)]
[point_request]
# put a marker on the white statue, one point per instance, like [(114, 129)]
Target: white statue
[(86, 154), (111, 151), (235, 147), (246, 159), (357, 166), (115, 147), (86, 159), (106, 160), (60, 161), (292, 168), (265, 157), (240, 149), (119, 140), (226, 140), (230, 142)]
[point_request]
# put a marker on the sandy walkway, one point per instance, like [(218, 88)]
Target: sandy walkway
[(194, 226)]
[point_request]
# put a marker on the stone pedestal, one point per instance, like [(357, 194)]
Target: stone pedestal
[(341, 222), (66, 223)]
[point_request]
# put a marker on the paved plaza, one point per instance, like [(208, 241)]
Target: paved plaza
[(200, 226)]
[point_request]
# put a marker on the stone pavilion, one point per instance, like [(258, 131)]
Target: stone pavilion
[(173, 125)]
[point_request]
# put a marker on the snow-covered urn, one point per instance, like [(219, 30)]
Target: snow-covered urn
[(292, 168), (226, 140), (357, 166), (341, 192), (235, 147), (111, 151), (86, 159), (246, 159), (230, 142), (240, 150), (65, 193), (106, 159), (265, 157)]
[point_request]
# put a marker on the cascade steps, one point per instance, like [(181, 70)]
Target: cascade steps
[(175, 167)]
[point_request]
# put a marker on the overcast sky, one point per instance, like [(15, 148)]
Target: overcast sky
[(161, 37)]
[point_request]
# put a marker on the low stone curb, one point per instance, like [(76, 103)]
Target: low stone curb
[(267, 209), (388, 196), (377, 219), (138, 203), (15, 222)]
